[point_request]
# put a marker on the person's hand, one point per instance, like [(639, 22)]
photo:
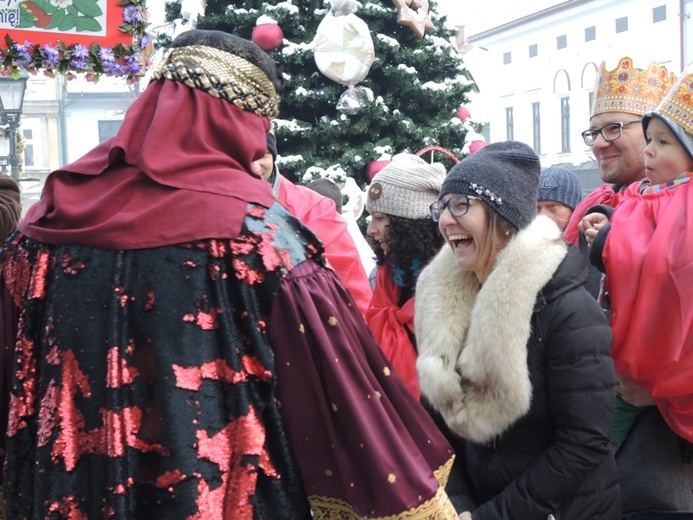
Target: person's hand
[(591, 224), (632, 392), (466, 516)]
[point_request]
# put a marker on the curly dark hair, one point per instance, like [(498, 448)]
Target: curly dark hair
[(409, 240)]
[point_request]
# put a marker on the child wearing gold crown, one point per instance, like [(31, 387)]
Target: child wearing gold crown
[(646, 251)]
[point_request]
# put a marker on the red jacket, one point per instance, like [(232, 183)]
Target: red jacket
[(320, 215)]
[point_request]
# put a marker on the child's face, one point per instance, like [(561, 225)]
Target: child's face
[(665, 158)]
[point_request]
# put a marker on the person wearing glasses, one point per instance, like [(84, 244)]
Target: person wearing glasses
[(645, 249), (404, 239), (514, 352), (621, 97)]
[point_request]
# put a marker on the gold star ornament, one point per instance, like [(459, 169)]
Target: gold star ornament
[(414, 14)]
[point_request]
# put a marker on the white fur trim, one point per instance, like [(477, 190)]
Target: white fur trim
[(472, 340)]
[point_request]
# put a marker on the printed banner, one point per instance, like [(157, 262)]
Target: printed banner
[(66, 36)]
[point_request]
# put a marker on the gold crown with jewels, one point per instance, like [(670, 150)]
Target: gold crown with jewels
[(677, 105), (627, 89)]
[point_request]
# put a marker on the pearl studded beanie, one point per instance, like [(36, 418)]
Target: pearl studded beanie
[(406, 187), (505, 175)]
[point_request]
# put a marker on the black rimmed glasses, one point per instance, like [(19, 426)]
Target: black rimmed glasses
[(609, 132), (457, 205)]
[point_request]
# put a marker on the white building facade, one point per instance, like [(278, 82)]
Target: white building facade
[(536, 75)]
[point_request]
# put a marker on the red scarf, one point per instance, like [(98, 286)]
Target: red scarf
[(387, 322), (178, 170)]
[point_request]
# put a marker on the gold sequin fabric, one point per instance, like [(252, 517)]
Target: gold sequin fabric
[(223, 75)]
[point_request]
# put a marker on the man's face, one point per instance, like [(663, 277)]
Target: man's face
[(263, 166), (556, 211), (620, 161)]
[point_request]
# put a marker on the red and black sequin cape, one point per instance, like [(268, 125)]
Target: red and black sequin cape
[(216, 379)]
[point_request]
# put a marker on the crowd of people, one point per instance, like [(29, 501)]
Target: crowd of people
[(187, 333)]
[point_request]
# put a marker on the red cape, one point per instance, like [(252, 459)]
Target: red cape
[(649, 264), (319, 214), (388, 322)]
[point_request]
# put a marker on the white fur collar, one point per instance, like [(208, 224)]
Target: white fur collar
[(472, 341)]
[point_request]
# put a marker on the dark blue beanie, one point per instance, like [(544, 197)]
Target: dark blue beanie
[(560, 185), (504, 175)]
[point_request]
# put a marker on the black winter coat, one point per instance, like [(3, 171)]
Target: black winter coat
[(543, 455)]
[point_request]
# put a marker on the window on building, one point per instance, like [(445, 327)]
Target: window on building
[(590, 100), (509, 130), (28, 134), (590, 33), (506, 58), (561, 42), (533, 50), (622, 24), (108, 129), (659, 14), (565, 124), (536, 124)]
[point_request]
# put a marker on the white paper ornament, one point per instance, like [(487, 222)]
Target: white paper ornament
[(343, 47)]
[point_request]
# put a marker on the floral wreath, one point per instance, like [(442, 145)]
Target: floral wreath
[(93, 60)]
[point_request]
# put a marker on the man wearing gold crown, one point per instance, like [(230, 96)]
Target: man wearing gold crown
[(182, 351), (654, 462)]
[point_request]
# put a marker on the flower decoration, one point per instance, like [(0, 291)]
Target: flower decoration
[(73, 52)]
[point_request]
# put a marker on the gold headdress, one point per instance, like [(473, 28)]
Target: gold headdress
[(627, 89), (677, 105), (219, 64)]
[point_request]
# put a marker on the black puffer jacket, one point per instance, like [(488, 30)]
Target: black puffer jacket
[(523, 382)]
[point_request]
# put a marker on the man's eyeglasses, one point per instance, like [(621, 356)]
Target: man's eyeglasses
[(457, 205), (609, 132)]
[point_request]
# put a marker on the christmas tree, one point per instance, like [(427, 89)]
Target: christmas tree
[(418, 83)]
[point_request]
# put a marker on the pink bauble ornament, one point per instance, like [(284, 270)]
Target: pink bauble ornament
[(374, 167), (267, 36), (463, 113), (475, 146)]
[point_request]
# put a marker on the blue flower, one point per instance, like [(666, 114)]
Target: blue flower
[(80, 52), (132, 15), (144, 41), (23, 55), (106, 55), (78, 64), (51, 56)]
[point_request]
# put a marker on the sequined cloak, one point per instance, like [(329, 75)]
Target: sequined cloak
[(217, 379)]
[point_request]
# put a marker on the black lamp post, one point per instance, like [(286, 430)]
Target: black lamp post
[(11, 102)]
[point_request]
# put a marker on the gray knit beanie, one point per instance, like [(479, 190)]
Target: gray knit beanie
[(406, 187), (504, 175), (560, 185)]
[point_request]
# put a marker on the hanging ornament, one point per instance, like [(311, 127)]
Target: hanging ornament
[(344, 52), (343, 47), (463, 113), (475, 146), (267, 34), (374, 167), (414, 14)]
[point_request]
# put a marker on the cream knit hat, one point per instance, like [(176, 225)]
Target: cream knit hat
[(406, 187)]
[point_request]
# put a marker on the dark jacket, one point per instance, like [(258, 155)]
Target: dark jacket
[(520, 371), (10, 205)]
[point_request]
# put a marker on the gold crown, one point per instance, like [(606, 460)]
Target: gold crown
[(677, 105), (627, 89)]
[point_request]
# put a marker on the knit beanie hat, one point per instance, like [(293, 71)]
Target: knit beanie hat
[(406, 187), (560, 185), (505, 175)]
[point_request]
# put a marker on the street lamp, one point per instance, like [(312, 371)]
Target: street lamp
[(11, 101)]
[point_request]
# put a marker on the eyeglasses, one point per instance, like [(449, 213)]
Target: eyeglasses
[(457, 205), (609, 132)]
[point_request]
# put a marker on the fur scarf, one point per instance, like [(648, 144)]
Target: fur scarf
[(472, 339)]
